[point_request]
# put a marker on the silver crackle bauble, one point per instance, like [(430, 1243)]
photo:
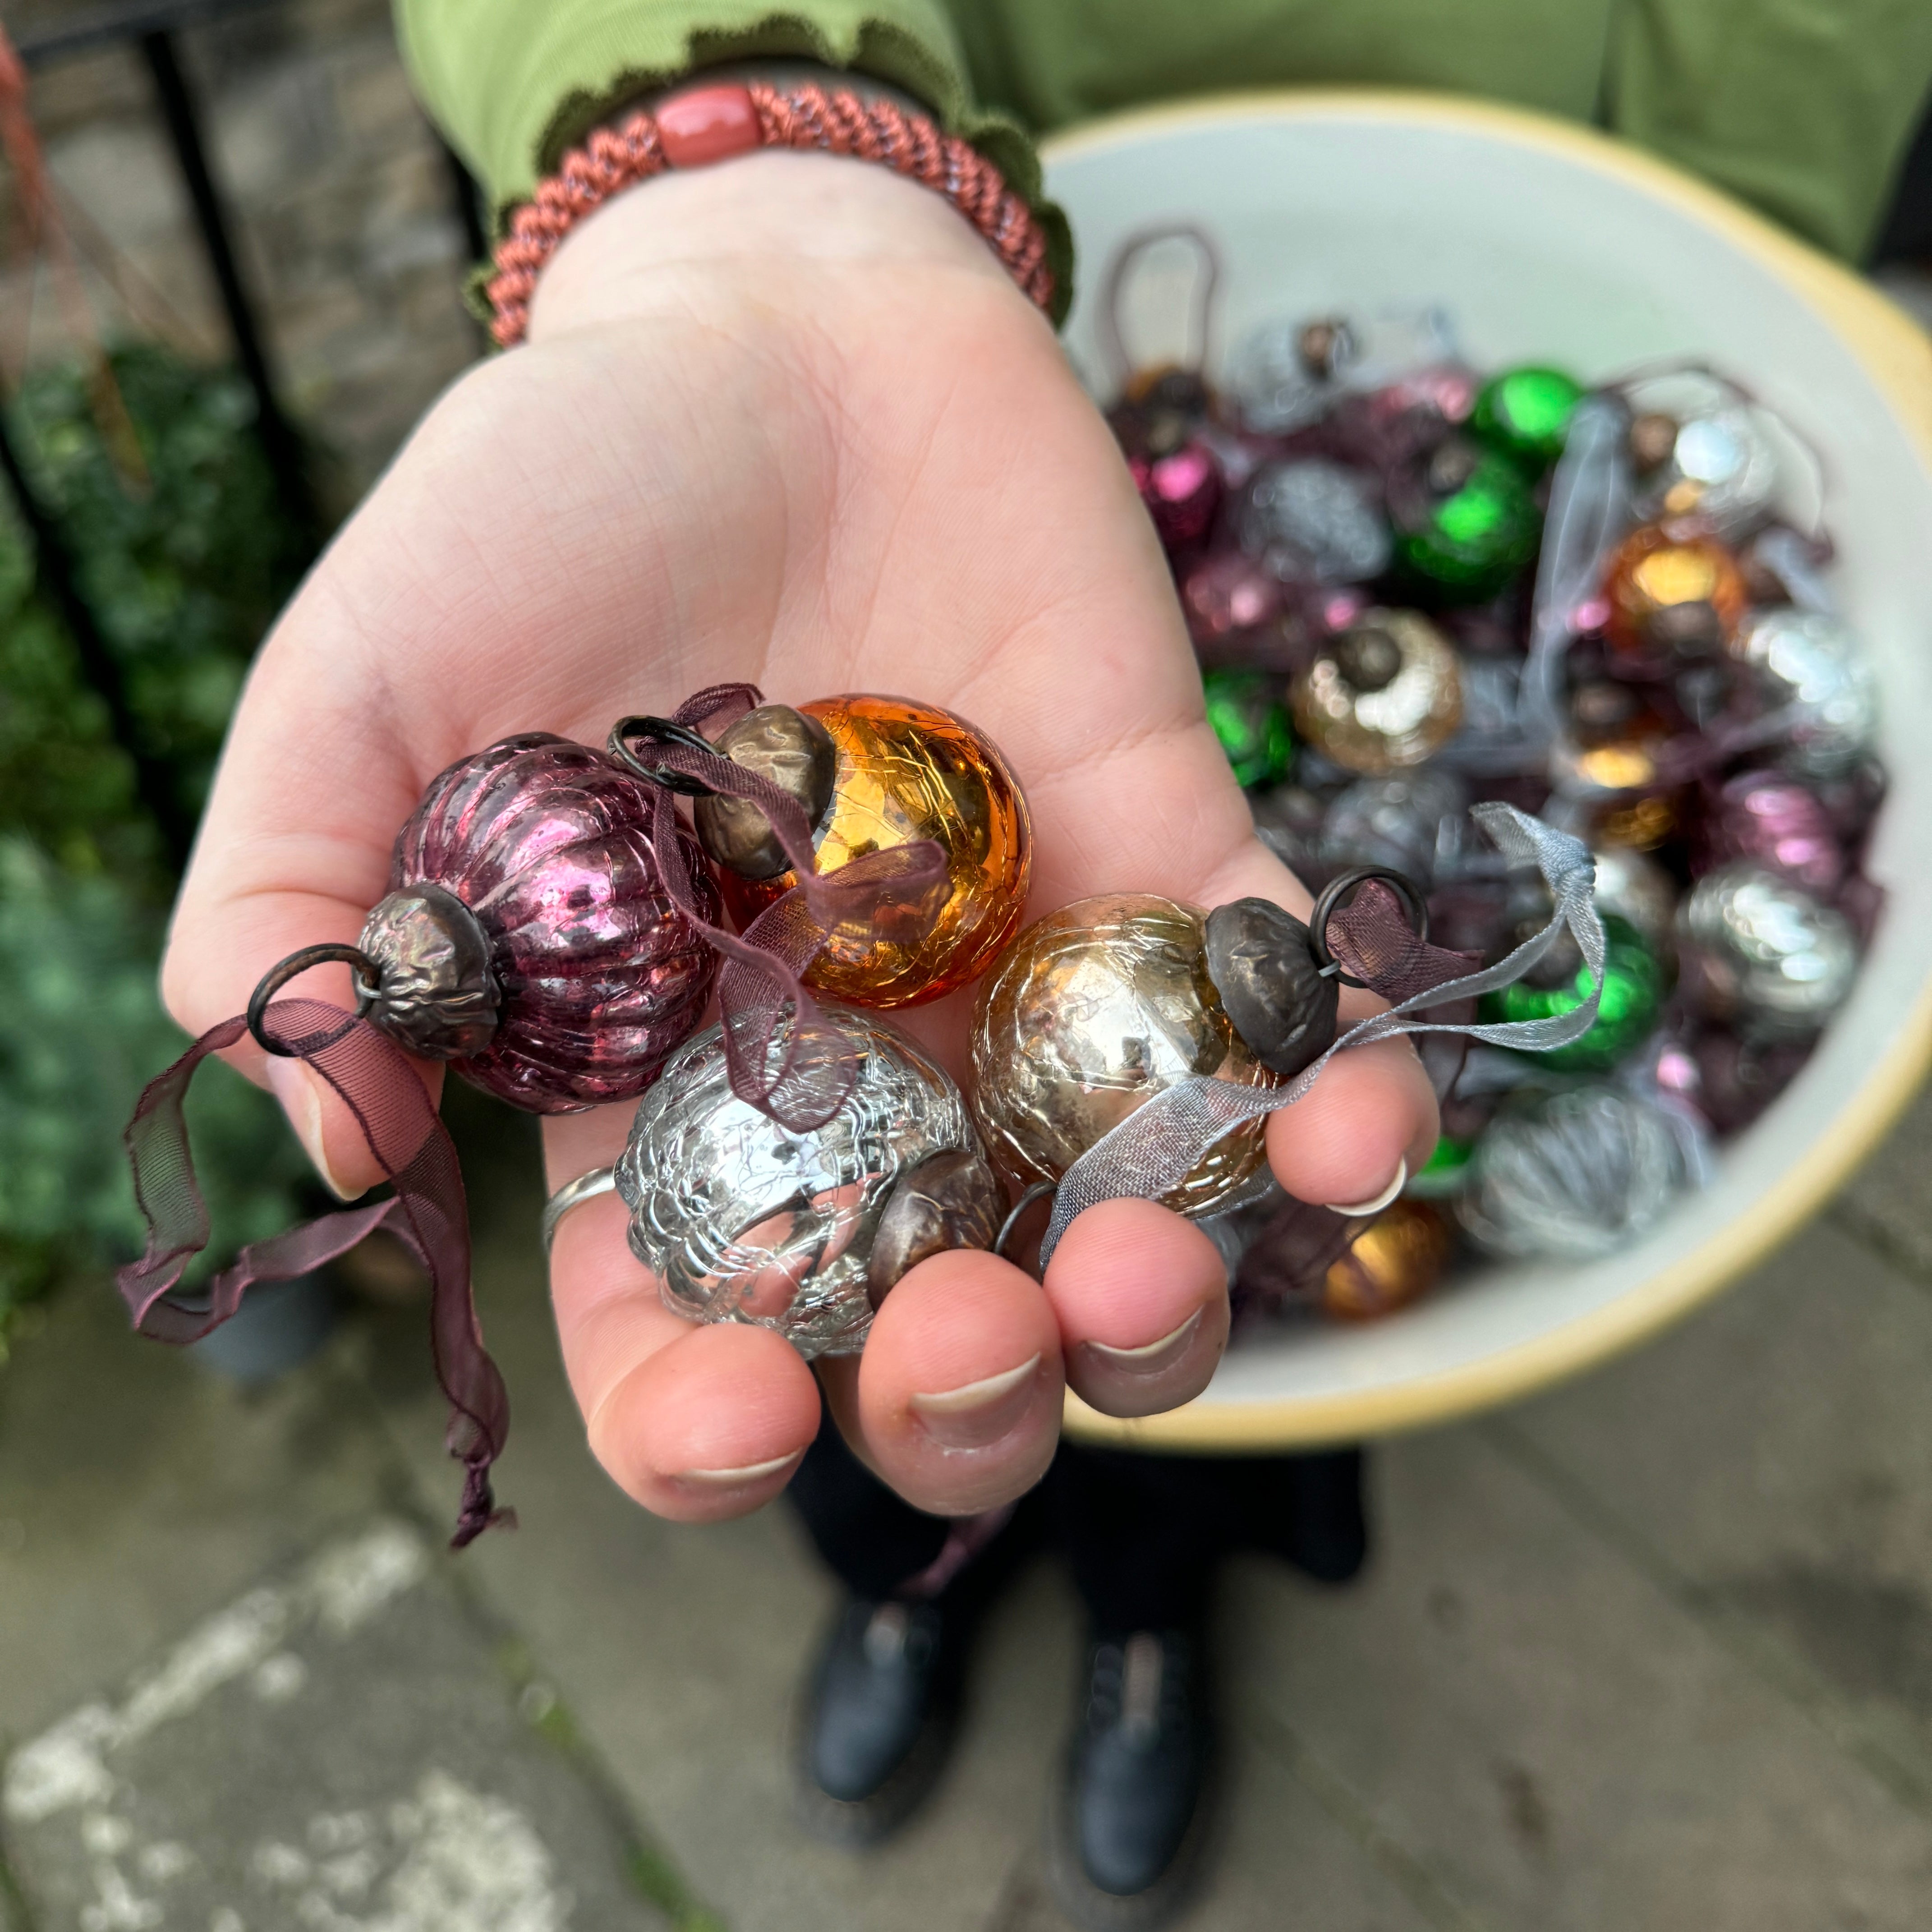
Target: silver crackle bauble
[(1763, 955), (1313, 521), (1813, 664), (1576, 1175), (743, 1220)]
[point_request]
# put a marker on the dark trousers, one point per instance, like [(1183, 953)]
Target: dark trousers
[(1143, 1535)]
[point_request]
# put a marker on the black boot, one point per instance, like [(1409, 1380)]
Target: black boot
[(1129, 1821), (878, 1717)]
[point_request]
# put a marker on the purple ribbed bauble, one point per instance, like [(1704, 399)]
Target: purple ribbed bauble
[(593, 975)]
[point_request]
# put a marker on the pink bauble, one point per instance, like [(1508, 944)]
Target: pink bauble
[(598, 976)]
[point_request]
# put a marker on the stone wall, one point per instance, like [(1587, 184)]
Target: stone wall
[(344, 210)]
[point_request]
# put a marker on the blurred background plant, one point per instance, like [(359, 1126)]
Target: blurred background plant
[(183, 552)]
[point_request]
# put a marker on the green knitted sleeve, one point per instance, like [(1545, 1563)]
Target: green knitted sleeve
[(514, 83)]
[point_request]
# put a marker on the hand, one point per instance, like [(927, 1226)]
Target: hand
[(785, 420)]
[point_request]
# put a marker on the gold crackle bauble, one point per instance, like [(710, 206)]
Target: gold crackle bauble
[(1097, 1008), (1386, 695), (908, 771)]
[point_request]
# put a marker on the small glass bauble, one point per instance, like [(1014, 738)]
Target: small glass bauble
[(1674, 597), (1098, 1007), (742, 1220), (1466, 520), (1762, 954), (1182, 490), (1721, 467), (1388, 694), (1634, 989), (1395, 1262), (1312, 521), (1813, 666), (1246, 710), (533, 863), (1226, 596), (1526, 413), (1395, 821), (1774, 821), (1575, 1174), (908, 771)]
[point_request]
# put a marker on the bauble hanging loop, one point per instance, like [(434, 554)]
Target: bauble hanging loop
[(368, 990)]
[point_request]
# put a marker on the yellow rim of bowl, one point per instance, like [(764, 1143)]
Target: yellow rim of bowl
[(1897, 354)]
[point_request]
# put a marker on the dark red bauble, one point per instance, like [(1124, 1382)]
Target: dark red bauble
[(598, 976)]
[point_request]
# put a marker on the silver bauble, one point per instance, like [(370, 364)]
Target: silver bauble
[(1764, 955), (1813, 663), (1277, 386), (1576, 1175), (1396, 821), (1722, 469), (1313, 521), (744, 1220)]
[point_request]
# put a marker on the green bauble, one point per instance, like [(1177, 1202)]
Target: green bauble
[(1471, 542), (1526, 413), (1246, 710), (1634, 988), (1443, 1172)]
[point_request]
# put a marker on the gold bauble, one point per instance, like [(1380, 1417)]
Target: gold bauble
[(1406, 711), (1097, 1008)]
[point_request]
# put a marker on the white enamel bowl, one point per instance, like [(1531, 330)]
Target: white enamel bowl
[(1549, 243)]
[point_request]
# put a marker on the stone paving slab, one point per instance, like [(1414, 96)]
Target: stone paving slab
[(1888, 1201), (333, 1751), (139, 1492), (1771, 1465), (1556, 1742), (677, 1651)]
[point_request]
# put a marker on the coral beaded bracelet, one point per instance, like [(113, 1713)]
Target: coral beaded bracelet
[(712, 124)]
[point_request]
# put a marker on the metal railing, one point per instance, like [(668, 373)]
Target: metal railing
[(151, 26)]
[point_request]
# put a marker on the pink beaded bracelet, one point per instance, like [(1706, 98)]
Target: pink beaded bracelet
[(712, 124)]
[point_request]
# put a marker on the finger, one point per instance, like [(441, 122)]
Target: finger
[(958, 1395), (1141, 1298), (694, 1434), (696, 1422)]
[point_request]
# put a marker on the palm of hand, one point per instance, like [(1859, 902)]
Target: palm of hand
[(718, 461)]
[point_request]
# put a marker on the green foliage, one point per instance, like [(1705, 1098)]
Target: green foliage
[(183, 566), (184, 555), (82, 1031)]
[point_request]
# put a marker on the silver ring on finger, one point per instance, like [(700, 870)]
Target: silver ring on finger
[(573, 1194)]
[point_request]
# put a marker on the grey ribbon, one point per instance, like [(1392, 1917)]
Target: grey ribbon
[(1589, 511), (1154, 1148)]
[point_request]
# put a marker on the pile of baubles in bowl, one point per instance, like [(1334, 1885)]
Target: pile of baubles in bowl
[(1414, 585)]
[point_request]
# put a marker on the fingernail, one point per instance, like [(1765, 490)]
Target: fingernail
[(1381, 1200), (1150, 1360), (741, 1478), (292, 1084), (979, 1413)]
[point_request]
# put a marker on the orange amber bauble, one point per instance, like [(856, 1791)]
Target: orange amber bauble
[(909, 771), (1661, 577), (1397, 1261)]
